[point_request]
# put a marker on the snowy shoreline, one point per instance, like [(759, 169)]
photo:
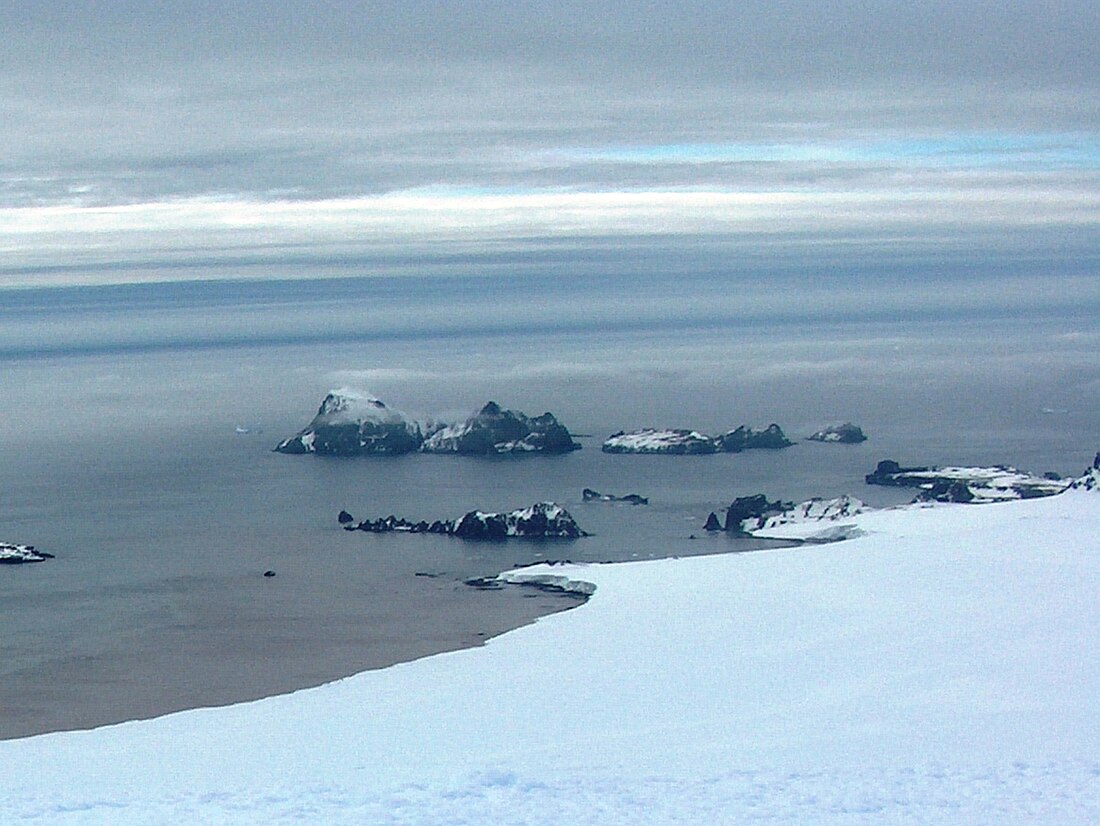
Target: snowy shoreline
[(939, 668)]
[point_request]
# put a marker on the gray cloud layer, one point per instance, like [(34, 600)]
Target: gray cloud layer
[(919, 125)]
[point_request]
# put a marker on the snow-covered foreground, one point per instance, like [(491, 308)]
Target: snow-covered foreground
[(941, 668)]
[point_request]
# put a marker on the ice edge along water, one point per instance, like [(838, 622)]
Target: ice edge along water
[(940, 668)]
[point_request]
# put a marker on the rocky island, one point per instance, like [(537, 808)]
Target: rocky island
[(692, 442), (543, 520), (495, 430), (844, 434), (350, 423), (13, 554)]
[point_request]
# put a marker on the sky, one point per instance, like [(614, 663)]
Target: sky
[(150, 141)]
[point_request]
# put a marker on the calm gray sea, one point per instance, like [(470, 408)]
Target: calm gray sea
[(136, 427)]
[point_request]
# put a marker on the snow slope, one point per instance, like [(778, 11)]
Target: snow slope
[(940, 668)]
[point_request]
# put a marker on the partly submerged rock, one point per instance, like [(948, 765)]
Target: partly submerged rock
[(966, 484), (847, 434), (712, 523), (496, 430), (692, 442), (349, 423), (13, 554), (590, 495)]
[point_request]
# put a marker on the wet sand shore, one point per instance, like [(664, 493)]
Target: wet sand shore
[(260, 637)]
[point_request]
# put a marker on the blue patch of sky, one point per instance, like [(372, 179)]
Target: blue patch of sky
[(984, 150)]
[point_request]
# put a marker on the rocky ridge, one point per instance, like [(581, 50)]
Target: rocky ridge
[(543, 520)]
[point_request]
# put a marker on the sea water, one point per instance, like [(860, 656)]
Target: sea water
[(137, 422)]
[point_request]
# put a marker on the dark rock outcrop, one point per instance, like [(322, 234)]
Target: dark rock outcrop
[(888, 472), (756, 507), (847, 434), (712, 523)]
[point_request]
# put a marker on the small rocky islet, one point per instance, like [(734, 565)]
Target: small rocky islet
[(12, 553), (589, 495), (841, 434)]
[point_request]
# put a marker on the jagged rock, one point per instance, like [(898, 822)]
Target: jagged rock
[(495, 430), (344, 518), (712, 523), (982, 484), (590, 495), (747, 438), (1091, 478), (12, 554), (846, 433), (349, 423), (692, 442), (752, 508)]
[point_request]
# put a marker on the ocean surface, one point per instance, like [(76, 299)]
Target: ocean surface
[(137, 422)]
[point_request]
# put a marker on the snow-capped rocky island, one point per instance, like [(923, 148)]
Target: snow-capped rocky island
[(844, 434), (350, 423), (966, 484), (13, 554), (692, 442), (543, 520)]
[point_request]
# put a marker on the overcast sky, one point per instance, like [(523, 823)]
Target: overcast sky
[(140, 132)]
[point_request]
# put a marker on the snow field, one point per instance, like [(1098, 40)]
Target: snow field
[(938, 669)]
